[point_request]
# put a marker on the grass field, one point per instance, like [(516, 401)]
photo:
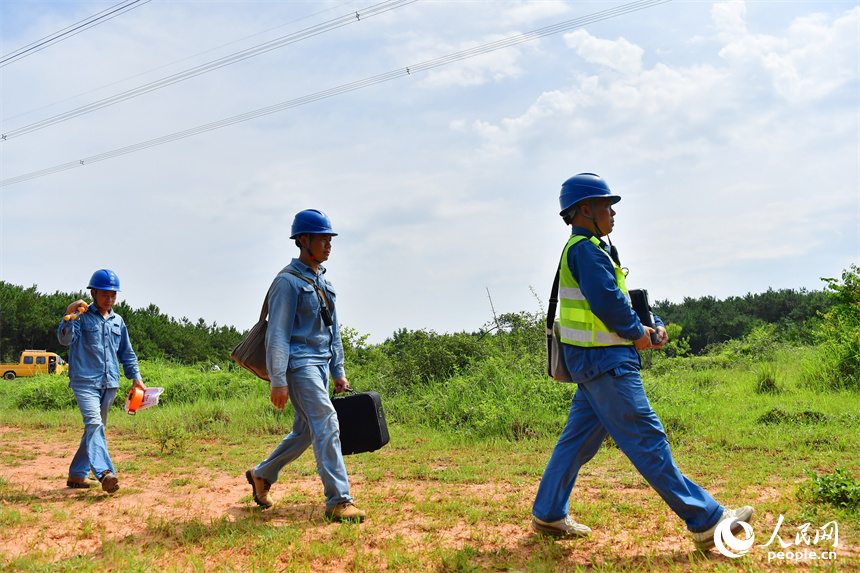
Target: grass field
[(451, 492)]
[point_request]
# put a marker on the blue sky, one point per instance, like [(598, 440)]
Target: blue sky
[(730, 129)]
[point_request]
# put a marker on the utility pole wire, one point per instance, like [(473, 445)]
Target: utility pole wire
[(70, 31), (388, 76), (173, 63), (208, 67)]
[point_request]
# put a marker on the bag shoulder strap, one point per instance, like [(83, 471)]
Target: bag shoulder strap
[(553, 298), (323, 297), (265, 312)]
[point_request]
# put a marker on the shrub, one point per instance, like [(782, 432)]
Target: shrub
[(839, 489), (46, 392), (415, 357), (839, 333), (188, 384)]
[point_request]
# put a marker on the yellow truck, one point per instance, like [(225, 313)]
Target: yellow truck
[(34, 362)]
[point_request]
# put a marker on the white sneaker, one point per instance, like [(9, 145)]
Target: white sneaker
[(562, 528), (705, 540)]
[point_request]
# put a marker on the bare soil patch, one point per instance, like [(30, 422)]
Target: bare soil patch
[(60, 522)]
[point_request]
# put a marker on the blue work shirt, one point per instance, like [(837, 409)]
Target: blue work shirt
[(592, 269), (97, 346), (296, 335)]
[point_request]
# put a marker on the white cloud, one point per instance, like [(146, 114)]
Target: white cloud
[(492, 67), (620, 55), (817, 55), (530, 12), (666, 101)]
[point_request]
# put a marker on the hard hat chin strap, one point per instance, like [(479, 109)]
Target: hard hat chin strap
[(613, 250), (308, 247), (593, 218)]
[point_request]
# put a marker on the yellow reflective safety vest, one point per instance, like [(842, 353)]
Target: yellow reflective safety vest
[(580, 326)]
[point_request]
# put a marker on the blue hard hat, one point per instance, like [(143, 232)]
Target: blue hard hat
[(311, 221), (104, 279), (584, 186)]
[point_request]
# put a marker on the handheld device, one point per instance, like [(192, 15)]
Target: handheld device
[(642, 307)]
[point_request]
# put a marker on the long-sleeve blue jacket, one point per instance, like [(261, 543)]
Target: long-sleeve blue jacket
[(296, 335), (594, 273), (97, 346)]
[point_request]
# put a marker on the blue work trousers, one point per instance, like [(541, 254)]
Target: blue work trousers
[(92, 454), (315, 423), (614, 403)]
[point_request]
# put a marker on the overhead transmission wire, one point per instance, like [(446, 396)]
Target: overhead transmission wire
[(197, 55), (388, 76), (210, 66), (69, 31)]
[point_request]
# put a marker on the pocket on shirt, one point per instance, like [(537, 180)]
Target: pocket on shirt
[(90, 335), (308, 298), (115, 334), (330, 292)]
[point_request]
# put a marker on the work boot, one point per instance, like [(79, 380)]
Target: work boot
[(109, 482), (705, 540), (81, 483), (345, 511), (260, 487), (566, 527)]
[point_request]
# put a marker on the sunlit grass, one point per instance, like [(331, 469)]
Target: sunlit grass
[(455, 482)]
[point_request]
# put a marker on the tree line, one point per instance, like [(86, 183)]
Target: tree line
[(29, 319), (706, 321)]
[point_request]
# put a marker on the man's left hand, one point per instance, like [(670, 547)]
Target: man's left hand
[(340, 385), (662, 337)]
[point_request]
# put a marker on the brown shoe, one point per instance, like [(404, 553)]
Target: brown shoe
[(109, 482), (345, 511), (260, 488), (81, 483)]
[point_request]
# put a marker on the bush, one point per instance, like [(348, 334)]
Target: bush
[(188, 384), (47, 392), (839, 489), (415, 357), (495, 399), (838, 334)]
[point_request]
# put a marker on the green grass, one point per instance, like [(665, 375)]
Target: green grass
[(456, 482)]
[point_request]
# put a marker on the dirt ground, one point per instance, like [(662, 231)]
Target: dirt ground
[(147, 499)]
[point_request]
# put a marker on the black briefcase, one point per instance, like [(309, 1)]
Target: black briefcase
[(362, 422)]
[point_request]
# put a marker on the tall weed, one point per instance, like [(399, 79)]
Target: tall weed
[(44, 392)]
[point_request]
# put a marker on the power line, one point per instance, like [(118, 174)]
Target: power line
[(197, 55), (72, 30), (388, 76), (213, 65)]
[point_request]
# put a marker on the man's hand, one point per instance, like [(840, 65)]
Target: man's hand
[(73, 308), (340, 385), (662, 337), (139, 384), (644, 343), (279, 396)]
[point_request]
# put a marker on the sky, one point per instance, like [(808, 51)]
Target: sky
[(731, 130)]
